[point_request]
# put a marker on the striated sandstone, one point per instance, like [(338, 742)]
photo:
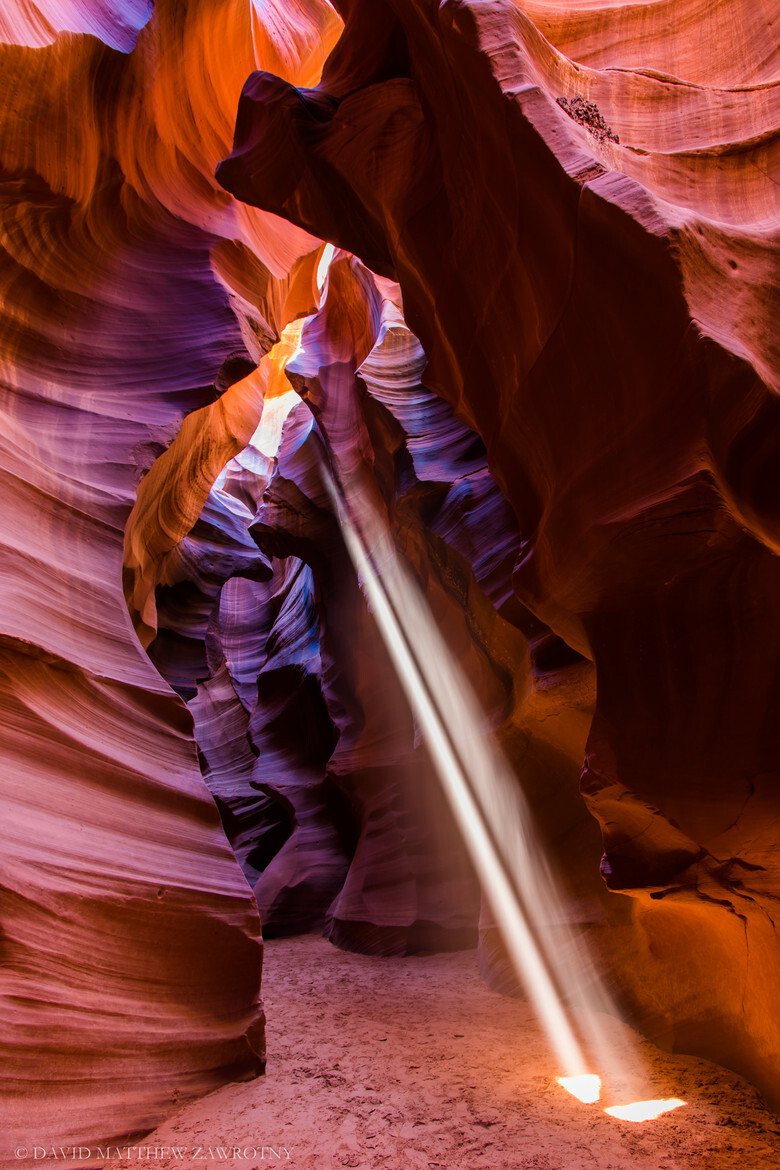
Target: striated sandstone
[(602, 314), (567, 410), (133, 292)]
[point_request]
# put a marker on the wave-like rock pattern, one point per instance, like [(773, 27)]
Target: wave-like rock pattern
[(370, 849), (580, 204), (36, 23), (406, 887), (603, 314), (301, 651), (134, 292)]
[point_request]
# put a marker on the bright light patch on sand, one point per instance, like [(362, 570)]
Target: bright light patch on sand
[(586, 1088), (644, 1110)]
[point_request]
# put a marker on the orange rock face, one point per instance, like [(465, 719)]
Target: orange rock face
[(580, 206), (134, 290), (592, 281)]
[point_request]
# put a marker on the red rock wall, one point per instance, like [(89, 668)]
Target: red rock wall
[(131, 288), (596, 297), (596, 294)]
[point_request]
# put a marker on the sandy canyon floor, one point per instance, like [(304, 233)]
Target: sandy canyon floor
[(415, 1062)]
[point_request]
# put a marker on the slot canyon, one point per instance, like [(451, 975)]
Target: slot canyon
[(497, 280)]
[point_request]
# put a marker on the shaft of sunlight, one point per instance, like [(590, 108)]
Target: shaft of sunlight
[(388, 600)]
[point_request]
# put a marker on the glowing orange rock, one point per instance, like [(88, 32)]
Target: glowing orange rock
[(134, 292), (595, 285)]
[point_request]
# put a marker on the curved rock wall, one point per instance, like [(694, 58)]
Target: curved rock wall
[(592, 282), (371, 850), (580, 206), (134, 291)]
